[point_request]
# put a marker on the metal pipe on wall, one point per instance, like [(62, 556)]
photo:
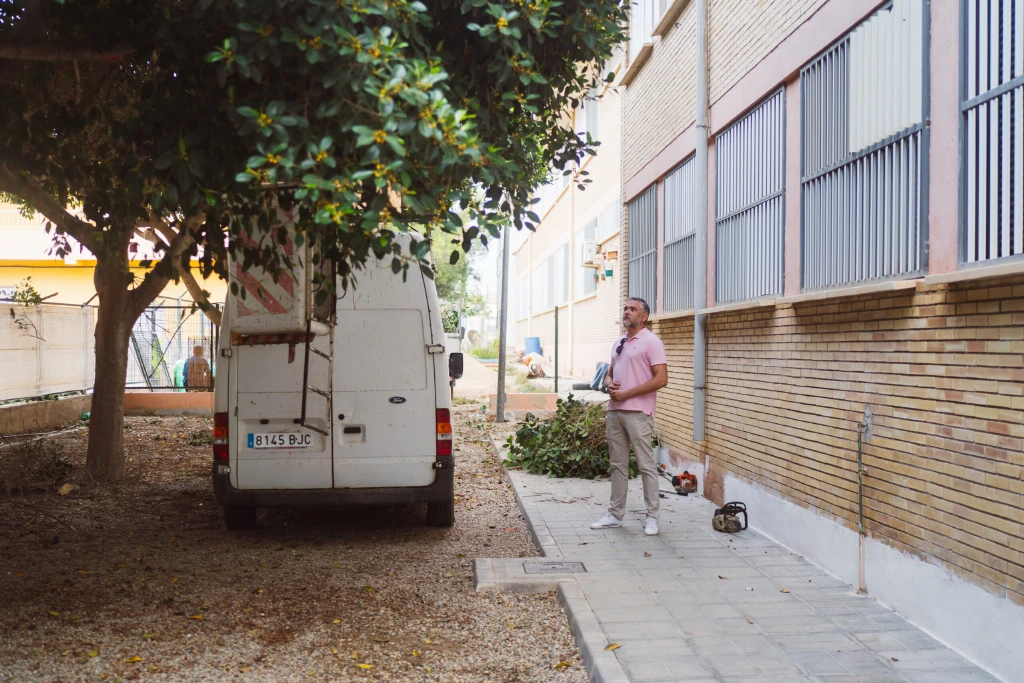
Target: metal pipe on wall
[(506, 244), (700, 256)]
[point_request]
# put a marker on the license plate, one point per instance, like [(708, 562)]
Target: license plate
[(281, 440)]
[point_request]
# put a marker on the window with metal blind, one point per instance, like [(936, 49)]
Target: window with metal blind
[(680, 231), (539, 292), (643, 246), (644, 15), (609, 221), (992, 86), (560, 275), (749, 224), (586, 283), (585, 116), (523, 298), (862, 105)]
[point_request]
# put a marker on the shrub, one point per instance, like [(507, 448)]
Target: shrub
[(488, 351), (571, 444)]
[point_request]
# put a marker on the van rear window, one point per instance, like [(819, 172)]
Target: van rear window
[(379, 350)]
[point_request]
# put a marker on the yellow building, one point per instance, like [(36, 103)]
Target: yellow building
[(26, 251)]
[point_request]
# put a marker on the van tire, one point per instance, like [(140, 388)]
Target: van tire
[(442, 513), (240, 517)]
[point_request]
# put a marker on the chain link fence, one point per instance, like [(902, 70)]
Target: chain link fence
[(172, 347)]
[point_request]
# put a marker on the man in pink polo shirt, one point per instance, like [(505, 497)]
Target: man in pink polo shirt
[(638, 369)]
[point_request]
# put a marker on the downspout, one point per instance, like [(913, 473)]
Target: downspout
[(700, 256), (506, 246)]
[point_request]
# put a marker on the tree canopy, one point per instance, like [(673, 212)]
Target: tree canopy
[(192, 122)]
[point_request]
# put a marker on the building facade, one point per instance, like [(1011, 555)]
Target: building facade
[(863, 254), (570, 264)]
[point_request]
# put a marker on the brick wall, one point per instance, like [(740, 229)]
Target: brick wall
[(942, 368), (742, 32), (659, 104)]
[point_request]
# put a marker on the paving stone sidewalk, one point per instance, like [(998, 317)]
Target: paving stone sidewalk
[(696, 605)]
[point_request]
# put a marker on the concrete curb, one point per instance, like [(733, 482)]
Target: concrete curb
[(602, 666)]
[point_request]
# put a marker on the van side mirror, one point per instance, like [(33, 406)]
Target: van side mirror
[(455, 365)]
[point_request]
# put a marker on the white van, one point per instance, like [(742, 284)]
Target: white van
[(358, 412)]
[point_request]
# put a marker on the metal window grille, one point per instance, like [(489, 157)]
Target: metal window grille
[(749, 225), (680, 231), (643, 247), (992, 83), (861, 108)]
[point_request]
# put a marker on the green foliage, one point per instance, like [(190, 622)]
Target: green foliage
[(571, 444), (362, 118), (485, 351), (449, 318), (25, 293)]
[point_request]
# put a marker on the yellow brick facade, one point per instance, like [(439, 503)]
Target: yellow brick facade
[(941, 367)]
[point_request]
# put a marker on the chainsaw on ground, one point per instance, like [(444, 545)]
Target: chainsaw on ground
[(727, 518), (684, 484)]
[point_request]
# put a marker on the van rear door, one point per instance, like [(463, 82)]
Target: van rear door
[(384, 401), (273, 451)]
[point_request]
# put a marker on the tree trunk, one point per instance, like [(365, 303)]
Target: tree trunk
[(105, 457)]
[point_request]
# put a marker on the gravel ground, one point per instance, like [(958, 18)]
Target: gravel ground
[(142, 582)]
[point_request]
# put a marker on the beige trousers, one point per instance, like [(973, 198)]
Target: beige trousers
[(625, 427)]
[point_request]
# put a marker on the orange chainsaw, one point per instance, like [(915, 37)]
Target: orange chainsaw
[(684, 483)]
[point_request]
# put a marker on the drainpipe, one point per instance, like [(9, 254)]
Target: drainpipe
[(700, 256), (506, 245)]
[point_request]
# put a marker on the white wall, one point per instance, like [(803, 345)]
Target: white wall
[(56, 355), (983, 627)]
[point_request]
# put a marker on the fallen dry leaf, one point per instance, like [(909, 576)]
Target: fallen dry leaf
[(784, 590), (612, 646), (688, 632), (369, 589), (724, 578), (66, 489), (381, 639), (196, 616), (646, 554), (175, 579), (337, 621), (93, 653), (749, 621), (132, 660), (365, 666), (562, 665), (149, 636), (54, 614)]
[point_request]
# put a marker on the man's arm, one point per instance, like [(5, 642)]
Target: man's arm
[(659, 380)]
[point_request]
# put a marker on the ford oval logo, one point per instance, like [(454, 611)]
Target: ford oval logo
[(396, 399)]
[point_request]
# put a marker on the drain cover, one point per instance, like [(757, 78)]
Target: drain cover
[(554, 567)]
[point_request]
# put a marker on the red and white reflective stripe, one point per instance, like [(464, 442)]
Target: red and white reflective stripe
[(444, 432)]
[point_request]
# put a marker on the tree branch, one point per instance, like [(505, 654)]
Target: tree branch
[(152, 284), (49, 52), (40, 200), (197, 293)]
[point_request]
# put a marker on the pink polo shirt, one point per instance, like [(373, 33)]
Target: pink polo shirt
[(633, 367)]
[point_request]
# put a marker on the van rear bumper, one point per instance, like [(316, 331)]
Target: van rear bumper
[(441, 490)]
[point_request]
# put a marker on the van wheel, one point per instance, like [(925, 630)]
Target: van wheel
[(441, 514), (240, 518)]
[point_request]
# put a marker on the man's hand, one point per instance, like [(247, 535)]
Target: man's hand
[(616, 393)]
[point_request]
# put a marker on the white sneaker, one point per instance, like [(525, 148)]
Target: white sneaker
[(606, 522), (651, 527)]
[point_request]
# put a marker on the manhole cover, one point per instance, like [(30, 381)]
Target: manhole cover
[(554, 567)]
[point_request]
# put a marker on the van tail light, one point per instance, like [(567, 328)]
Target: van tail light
[(220, 437), (444, 432)]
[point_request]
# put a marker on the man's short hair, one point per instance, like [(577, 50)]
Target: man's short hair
[(643, 304), (197, 350)]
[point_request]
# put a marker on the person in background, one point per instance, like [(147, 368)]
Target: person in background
[(197, 370), (638, 369)]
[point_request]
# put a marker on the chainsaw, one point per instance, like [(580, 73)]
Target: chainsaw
[(684, 483), (727, 519)]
